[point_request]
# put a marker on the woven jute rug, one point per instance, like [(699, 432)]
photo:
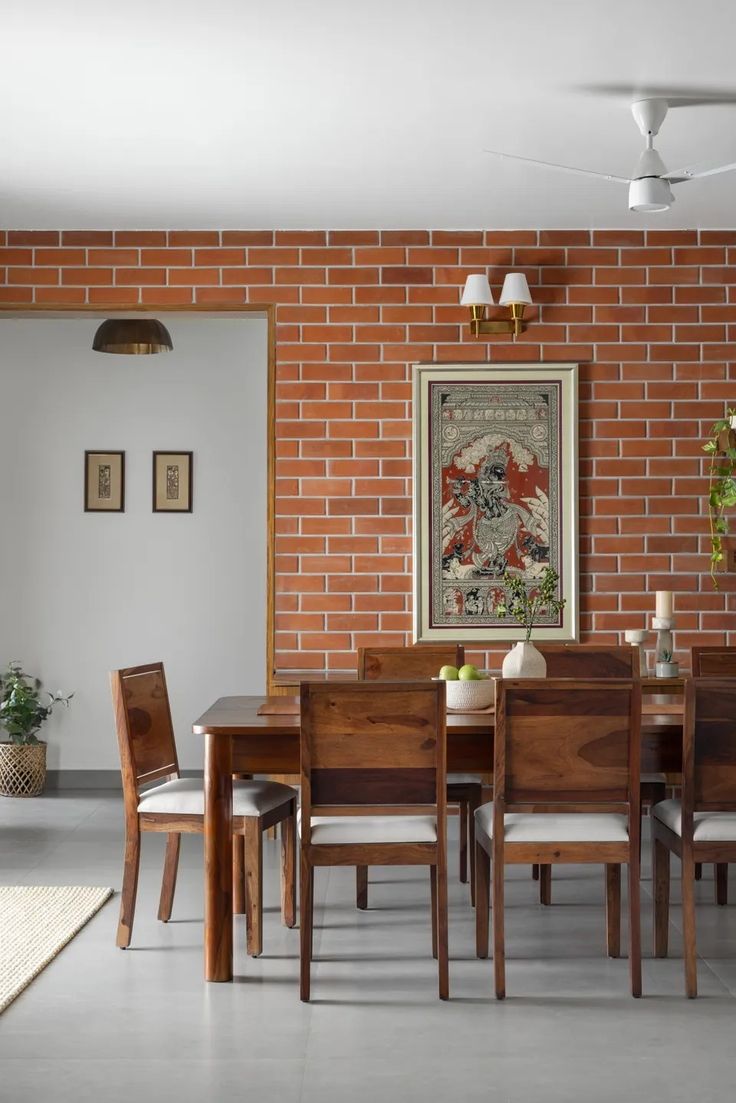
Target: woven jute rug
[(35, 924)]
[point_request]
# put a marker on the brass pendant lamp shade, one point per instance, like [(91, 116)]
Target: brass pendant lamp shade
[(134, 336)]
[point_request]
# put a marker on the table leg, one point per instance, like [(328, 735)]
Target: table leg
[(218, 898)]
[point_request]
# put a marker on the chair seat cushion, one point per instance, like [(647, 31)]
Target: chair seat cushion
[(463, 779), (708, 827), (372, 829), (552, 827), (185, 797), (653, 779)]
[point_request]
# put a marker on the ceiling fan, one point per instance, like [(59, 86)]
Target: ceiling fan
[(650, 186)]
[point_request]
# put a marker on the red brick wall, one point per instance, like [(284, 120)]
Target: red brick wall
[(650, 316)]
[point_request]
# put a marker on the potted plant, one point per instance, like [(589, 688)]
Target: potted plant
[(525, 603), (722, 493), (22, 712), (664, 667)]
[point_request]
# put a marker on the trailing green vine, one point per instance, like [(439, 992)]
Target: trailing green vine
[(722, 490)]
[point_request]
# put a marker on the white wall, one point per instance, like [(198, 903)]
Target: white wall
[(83, 593)]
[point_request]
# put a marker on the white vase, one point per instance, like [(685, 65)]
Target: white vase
[(524, 661)]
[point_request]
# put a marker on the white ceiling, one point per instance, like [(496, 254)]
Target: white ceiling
[(314, 113)]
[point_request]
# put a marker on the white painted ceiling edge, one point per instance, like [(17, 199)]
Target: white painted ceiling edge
[(239, 113)]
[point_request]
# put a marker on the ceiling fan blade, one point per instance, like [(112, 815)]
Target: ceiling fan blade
[(692, 172), (559, 168)]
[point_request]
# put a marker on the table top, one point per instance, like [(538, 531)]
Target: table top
[(240, 716)]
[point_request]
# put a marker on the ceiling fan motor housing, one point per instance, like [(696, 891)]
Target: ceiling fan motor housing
[(650, 194), (649, 115)]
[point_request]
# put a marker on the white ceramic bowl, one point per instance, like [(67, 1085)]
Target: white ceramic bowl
[(470, 695)]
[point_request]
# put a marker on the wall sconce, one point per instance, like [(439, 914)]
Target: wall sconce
[(514, 294)]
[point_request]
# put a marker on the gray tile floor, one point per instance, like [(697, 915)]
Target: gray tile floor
[(142, 1025)]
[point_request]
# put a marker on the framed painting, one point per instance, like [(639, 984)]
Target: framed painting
[(495, 492), (172, 482), (104, 482)]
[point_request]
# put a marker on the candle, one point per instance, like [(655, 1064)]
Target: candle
[(664, 604)]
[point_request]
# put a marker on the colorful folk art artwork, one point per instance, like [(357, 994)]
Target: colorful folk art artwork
[(498, 475)]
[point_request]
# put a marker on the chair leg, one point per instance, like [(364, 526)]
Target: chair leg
[(130, 888), (499, 963), (168, 884), (698, 871), (634, 925), (613, 910), (254, 885), (722, 883), (433, 906), (688, 924), (463, 814), (305, 927), (482, 888), (661, 879), (442, 927), (535, 872), (361, 887), (238, 874), (545, 885), (288, 868), (474, 803)]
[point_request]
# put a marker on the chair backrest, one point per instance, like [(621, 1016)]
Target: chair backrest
[(713, 662), (562, 741), (576, 660), (143, 722), (365, 745), (423, 660), (709, 747)]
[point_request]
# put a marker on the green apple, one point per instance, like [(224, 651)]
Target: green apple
[(449, 674), (468, 673)]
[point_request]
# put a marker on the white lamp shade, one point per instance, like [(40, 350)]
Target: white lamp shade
[(477, 292), (515, 290), (650, 194)]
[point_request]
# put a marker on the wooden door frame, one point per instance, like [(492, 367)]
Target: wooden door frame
[(65, 311)]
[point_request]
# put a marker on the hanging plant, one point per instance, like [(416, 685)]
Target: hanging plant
[(722, 489)]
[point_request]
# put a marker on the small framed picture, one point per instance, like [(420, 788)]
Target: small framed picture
[(172, 482), (104, 482)]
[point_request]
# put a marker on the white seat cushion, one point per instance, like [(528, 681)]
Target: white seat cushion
[(708, 827), (185, 797), (653, 779), (372, 829), (463, 779), (553, 827)]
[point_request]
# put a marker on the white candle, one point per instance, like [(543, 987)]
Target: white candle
[(664, 604)]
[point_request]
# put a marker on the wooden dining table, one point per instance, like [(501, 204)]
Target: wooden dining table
[(240, 739)]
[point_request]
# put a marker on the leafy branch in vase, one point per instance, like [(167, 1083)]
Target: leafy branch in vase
[(526, 605)]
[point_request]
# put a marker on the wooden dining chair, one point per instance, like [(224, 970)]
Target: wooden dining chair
[(702, 826), (572, 660), (373, 791), (175, 805), (715, 661), (718, 661), (380, 664), (566, 789)]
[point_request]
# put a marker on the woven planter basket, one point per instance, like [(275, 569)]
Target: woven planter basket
[(22, 769)]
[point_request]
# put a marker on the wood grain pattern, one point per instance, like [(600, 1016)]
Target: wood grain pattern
[(564, 737), (577, 743), (426, 661), (423, 660), (371, 786), (341, 727), (572, 660), (148, 753), (708, 784), (713, 662)]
